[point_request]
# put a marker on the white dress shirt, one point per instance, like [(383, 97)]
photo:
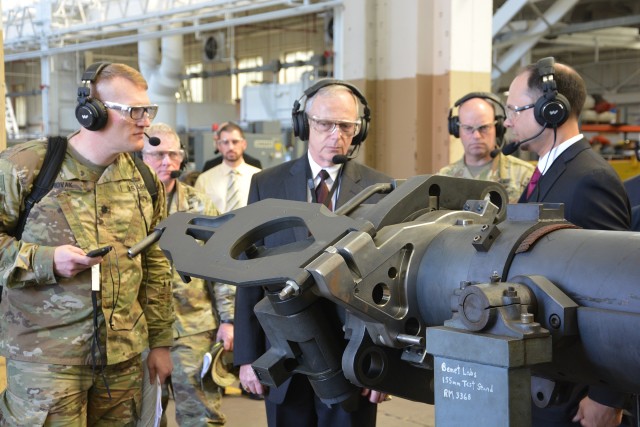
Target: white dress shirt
[(545, 162), (333, 171), (214, 183)]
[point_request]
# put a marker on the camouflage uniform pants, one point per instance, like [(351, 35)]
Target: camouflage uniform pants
[(197, 402), (59, 395)]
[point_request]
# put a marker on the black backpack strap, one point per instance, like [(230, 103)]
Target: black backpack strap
[(56, 149), (51, 165), (147, 177)]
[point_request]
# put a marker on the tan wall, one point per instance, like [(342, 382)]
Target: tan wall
[(394, 127), (408, 134), (432, 127)]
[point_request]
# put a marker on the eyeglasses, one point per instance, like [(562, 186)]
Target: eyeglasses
[(513, 111), (136, 112), (158, 156), (347, 127), (483, 129)]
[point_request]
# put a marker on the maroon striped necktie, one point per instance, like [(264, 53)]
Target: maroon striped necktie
[(322, 190), (533, 182)]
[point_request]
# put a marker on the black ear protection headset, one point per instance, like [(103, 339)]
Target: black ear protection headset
[(454, 121), (552, 109), (300, 121), (91, 112), (185, 159)]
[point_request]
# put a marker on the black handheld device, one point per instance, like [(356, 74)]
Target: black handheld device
[(99, 252)]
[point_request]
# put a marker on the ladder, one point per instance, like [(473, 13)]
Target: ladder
[(10, 119)]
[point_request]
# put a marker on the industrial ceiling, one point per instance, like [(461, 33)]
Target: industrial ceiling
[(583, 32)]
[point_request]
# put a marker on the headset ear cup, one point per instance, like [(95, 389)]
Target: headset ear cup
[(551, 110), (565, 108), (362, 135), (92, 114), (299, 122), (538, 109), (304, 126), (295, 119), (454, 126), (364, 131), (364, 125), (185, 160), (500, 129)]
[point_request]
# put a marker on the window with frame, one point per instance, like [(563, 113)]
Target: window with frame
[(294, 74), (249, 78), (195, 85)]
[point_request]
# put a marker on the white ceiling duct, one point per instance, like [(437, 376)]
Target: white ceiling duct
[(161, 63)]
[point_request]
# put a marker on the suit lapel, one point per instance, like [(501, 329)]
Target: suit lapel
[(557, 169), (349, 183), (295, 188), (295, 185)]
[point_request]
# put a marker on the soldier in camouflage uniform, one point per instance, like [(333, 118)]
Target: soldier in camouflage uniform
[(477, 122), (70, 360), (196, 327)]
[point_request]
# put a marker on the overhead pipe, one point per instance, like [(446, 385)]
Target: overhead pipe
[(161, 62), (273, 66), (188, 29)]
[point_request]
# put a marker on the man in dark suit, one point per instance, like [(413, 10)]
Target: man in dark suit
[(331, 122), (543, 107)]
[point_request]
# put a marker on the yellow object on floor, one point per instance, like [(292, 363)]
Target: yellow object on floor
[(3, 374), (232, 391)]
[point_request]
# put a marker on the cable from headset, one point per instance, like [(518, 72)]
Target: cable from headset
[(546, 162), (145, 274), (116, 299), (95, 341)]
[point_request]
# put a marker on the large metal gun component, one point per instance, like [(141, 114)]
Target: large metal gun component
[(439, 288)]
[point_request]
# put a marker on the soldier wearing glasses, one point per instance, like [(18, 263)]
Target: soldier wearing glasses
[(331, 120), (203, 317), (480, 126), (73, 327)]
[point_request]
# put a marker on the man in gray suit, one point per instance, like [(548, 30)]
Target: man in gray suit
[(332, 121)]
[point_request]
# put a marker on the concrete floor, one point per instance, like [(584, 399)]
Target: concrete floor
[(244, 412)]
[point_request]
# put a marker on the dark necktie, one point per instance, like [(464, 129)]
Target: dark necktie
[(533, 182), (322, 190)]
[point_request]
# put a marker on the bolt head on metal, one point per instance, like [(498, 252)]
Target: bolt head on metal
[(526, 318), (554, 321), (291, 289)]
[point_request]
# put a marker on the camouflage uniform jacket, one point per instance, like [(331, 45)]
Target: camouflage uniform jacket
[(513, 173), (49, 319), (192, 301)]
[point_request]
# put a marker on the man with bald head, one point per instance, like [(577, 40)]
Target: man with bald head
[(480, 127)]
